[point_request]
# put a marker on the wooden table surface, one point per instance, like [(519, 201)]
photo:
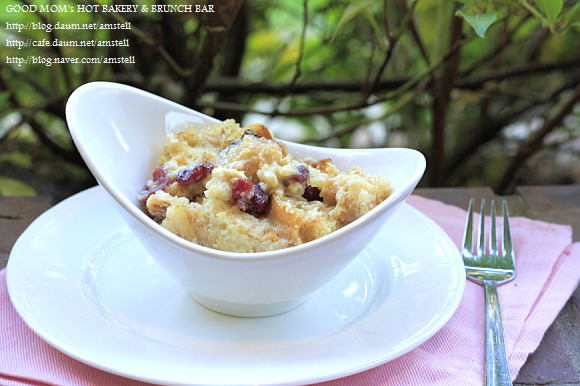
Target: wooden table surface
[(557, 359)]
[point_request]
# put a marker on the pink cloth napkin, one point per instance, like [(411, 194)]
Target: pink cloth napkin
[(548, 267)]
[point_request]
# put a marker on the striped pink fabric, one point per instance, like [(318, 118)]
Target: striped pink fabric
[(25, 359), (548, 273)]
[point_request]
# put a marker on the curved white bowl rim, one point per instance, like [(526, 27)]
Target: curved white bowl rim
[(395, 198)]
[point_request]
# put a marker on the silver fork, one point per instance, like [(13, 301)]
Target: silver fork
[(490, 269)]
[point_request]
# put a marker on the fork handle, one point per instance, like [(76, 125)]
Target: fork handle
[(497, 370)]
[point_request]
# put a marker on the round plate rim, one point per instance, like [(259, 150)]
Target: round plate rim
[(12, 277)]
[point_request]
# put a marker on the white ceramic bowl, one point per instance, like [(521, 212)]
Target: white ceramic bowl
[(120, 132)]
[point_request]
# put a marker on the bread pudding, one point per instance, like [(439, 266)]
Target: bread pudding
[(238, 189)]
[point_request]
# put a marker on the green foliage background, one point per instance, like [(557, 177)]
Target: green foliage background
[(482, 87)]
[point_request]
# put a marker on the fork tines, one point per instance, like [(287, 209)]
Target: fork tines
[(491, 258)]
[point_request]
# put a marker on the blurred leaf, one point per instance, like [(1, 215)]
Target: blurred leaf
[(423, 5), (573, 16), (551, 9), (480, 21), (351, 11), (370, 17), (12, 187), (4, 99), (17, 158), (428, 22)]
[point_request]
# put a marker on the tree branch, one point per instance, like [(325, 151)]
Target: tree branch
[(403, 101), (535, 142), (392, 39), (240, 86), (218, 25), (57, 50), (398, 92), (298, 64), (441, 98), (414, 32), (500, 44), (487, 129), (518, 71), (155, 45), (233, 53), (490, 126)]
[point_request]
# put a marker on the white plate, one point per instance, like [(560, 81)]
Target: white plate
[(83, 283)]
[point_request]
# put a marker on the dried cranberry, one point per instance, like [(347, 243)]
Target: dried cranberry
[(312, 193), (159, 182), (159, 172), (302, 174), (248, 197), (259, 202), (242, 192), (197, 174)]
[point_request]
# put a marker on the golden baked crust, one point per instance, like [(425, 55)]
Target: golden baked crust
[(237, 189)]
